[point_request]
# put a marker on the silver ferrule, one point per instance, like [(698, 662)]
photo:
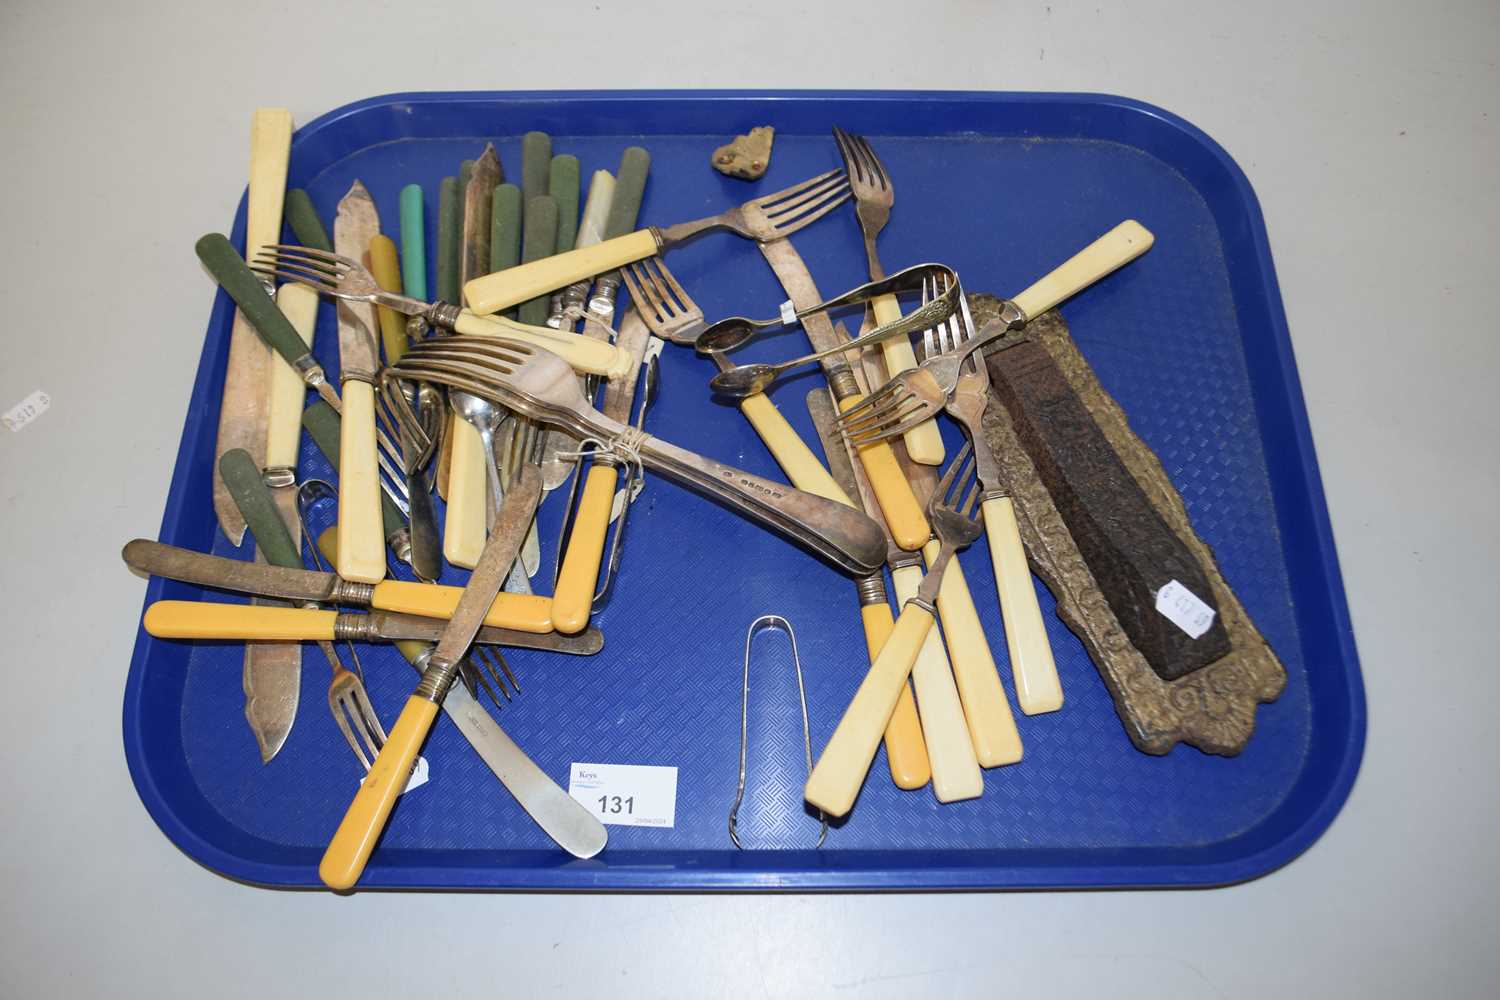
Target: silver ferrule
[(555, 311), (443, 314), (575, 295), (307, 366), (416, 327), (357, 375), (437, 678), (922, 603), (995, 493), (602, 303), (871, 590), (1012, 316), (400, 544), (276, 477), (353, 628), (349, 592), (841, 380)]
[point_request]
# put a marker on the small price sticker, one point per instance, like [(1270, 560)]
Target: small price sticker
[(1184, 609), (626, 794), (26, 410)]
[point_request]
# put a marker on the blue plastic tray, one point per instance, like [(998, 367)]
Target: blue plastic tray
[(1190, 338)]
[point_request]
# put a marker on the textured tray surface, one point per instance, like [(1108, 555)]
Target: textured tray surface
[(1189, 339)]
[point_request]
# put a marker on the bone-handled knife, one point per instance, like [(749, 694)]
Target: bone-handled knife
[(518, 612), (903, 515), (272, 673), (905, 747), (991, 724), (242, 411), (351, 845), (624, 209), (572, 599), (361, 545), (560, 816)]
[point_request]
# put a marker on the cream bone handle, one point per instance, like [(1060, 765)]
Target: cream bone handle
[(991, 725), (924, 443), (1113, 250), (586, 355), (493, 292), (361, 530), (288, 392), (1037, 686), (950, 751)]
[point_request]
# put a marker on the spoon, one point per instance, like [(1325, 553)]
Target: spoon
[(485, 417), (748, 380)]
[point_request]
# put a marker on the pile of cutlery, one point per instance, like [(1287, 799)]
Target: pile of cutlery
[(455, 414)]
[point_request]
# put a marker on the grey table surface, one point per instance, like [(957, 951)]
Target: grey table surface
[(1370, 134)]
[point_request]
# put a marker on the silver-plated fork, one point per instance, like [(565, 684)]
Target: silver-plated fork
[(665, 306), (873, 192)]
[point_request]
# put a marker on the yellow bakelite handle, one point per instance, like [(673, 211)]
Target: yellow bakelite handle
[(584, 354), (841, 770), (950, 752), (522, 612), (361, 531), (246, 622), (1113, 250), (924, 443), (903, 515), (992, 726), (464, 527), (350, 848), (1038, 688), (386, 269), (904, 749), (796, 459), (573, 599), (493, 292)]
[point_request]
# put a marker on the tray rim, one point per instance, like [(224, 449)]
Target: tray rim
[(791, 873)]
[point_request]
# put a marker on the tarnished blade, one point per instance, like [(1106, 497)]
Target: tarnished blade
[(356, 224), (272, 675), (173, 563), (242, 416)]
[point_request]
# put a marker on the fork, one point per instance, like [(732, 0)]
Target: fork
[(1037, 686), (841, 769), (768, 217), (874, 194), (348, 279), (917, 394), (673, 316)]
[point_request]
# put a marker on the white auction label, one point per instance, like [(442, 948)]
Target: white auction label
[(26, 410), (626, 794), (1184, 609), (788, 313)]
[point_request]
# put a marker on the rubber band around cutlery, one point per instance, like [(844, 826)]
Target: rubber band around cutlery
[(756, 627)]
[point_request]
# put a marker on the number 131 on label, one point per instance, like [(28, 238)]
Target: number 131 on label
[(626, 794)]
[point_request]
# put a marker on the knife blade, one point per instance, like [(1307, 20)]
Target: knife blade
[(349, 849), (905, 746), (259, 623), (907, 522), (242, 410), (361, 547), (573, 597), (479, 197), (523, 612)]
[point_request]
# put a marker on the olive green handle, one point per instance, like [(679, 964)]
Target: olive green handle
[(630, 187), (303, 218), (450, 234), (538, 240), (235, 277), (505, 228), (536, 163), (253, 497), (324, 426), (563, 187)]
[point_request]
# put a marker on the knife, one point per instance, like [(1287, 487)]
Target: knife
[(242, 413), (272, 673), (563, 185), (573, 597), (905, 748), (519, 612), (991, 724), (361, 550), (624, 208), (466, 520), (904, 516), (561, 817), (352, 843), (262, 623)]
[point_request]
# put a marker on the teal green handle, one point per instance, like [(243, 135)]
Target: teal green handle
[(322, 425), (563, 187), (413, 243), (630, 187), (538, 240), (299, 213), (253, 497), (505, 228), (536, 164), (235, 277), (450, 234)]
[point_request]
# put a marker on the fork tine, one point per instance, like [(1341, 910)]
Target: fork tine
[(852, 163), (945, 484), (302, 260), (500, 659), (299, 249), (872, 162), (663, 296), (476, 656), (766, 200), (683, 300), (786, 227), (296, 279), (487, 657), (913, 416), (296, 267), (809, 198), (640, 290), (929, 346)]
